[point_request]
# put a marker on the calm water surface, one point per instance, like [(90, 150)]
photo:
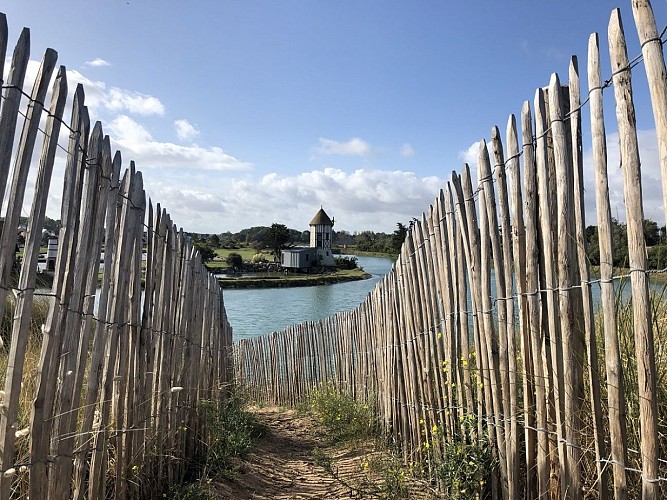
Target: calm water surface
[(255, 312)]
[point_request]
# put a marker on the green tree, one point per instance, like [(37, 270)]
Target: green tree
[(398, 237), (277, 237), (619, 244), (206, 252), (235, 261), (346, 262), (651, 232), (214, 241), (366, 241), (592, 245)]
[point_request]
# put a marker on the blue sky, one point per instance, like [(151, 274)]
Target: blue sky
[(244, 113)]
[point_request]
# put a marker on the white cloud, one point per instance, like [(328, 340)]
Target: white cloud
[(133, 102), (185, 131), (137, 143), (202, 189), (97, 63), (124, 129), (99, 99), (407, 151), (95, 91), (359, 200), (353, 147), (471, 154), (650, 172)]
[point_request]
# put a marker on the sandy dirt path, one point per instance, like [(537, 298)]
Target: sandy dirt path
[(280, 465)]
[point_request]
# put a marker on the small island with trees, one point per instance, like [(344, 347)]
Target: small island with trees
[(276, 256)]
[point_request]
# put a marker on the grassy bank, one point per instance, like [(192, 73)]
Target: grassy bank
[(292, 280), (359, 253)]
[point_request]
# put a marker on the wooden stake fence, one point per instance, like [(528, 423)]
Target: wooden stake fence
[(485, 329), (124, 361)]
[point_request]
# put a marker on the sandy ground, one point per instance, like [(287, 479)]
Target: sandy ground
[(281, 466)]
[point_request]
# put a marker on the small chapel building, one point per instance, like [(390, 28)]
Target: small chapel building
[(319, 253)]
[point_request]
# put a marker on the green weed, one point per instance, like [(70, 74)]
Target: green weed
[(464, 469), (343, 418), (232, 430), (345, 421), (388, 472), (201, 490)]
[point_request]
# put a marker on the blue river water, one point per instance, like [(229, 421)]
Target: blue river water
[(255, 312), (259, 311)]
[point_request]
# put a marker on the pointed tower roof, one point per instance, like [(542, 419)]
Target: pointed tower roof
[(321, 219)]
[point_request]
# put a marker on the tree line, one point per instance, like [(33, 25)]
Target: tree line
[(278, 236), (656, 241)]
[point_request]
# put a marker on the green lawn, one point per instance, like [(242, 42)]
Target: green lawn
[(246, 254), (295, 279)]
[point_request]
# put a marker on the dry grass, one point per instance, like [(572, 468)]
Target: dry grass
[(29, 379), (626, 337)]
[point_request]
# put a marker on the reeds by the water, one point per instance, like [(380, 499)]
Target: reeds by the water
[(626, 337)]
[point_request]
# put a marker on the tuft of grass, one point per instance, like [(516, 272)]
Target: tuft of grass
[(201, 490), (342, 417), (232, 430), (387, 473), (380, 474), (30, 376), (627, 345), (347, 422)]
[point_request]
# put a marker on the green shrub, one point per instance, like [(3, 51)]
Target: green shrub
[(232, 430), (259, 257), (343, 417), (465, 468), (194, 491), (234, 260), (346, 262)]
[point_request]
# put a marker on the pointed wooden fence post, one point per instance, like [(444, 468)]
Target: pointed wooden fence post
[(656, 73), (40, 425), (552, 355), (11, 101), (10, 404), (537, 337), (27, 278), (641, 307), (572, 374)]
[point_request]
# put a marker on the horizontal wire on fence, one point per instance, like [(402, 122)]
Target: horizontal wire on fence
[(500, 420), (210, 339), (455, 315), (130, 324), (87, 162), (112, 432)]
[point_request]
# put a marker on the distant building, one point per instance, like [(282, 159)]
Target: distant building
[(319, 253), (298, 258), (52, 253)]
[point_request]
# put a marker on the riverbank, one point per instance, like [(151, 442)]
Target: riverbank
[(655, 275), (360, 253), (294, 279)]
